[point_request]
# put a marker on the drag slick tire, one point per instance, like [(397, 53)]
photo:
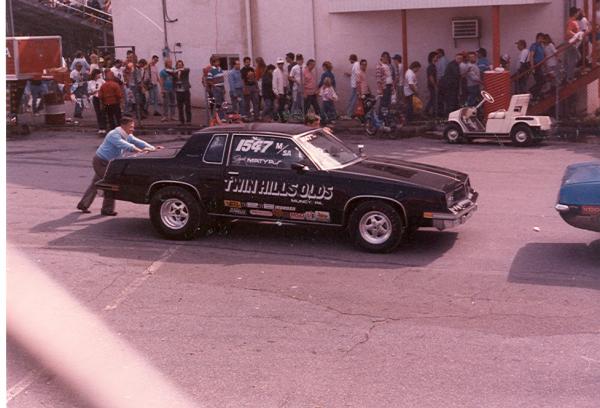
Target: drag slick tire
[(521, 135), (454, 134), (175, 213), (375, 226)]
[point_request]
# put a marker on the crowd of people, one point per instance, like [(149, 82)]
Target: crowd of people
[(289, 89)]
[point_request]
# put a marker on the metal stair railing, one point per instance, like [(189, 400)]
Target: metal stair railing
[(81, 10)]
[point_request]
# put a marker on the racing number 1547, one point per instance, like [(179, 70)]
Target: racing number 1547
[(257, 146)]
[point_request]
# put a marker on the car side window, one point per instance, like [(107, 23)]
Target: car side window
[(215, 149), (265, 151)]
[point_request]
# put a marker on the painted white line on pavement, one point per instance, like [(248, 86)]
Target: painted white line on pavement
[(138, 282), (23, 384)]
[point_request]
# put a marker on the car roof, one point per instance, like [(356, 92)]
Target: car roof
[(289, 129)]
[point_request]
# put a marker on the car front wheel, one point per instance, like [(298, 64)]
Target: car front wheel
[(453, 134), (175, 213), (375, 226), (521, 135)]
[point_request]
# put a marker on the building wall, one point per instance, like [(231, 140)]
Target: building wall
[(279, 26)]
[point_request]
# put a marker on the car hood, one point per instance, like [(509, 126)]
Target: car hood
[(425, 175)]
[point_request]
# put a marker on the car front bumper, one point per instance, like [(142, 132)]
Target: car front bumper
[(443, 221)]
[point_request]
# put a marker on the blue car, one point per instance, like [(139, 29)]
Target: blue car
[(579, 196)]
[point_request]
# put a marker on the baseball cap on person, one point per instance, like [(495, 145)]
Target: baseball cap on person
[(280, 60), (397, 57)]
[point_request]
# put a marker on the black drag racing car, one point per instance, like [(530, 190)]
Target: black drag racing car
[(289, 174)]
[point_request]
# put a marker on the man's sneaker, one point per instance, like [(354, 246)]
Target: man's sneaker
[(108, 213), (83, 209)]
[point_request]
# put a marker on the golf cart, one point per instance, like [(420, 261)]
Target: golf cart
[(513, 123)]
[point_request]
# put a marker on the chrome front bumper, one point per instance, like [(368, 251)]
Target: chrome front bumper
[(443, 221)]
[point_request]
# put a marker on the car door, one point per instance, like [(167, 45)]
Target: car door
[(269, 177)]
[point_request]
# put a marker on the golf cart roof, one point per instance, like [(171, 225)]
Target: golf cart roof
[(519, 103)]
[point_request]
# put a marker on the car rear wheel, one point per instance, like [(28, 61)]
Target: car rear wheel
[(175, 213), (453, 134), (375, 226), (521, 135)]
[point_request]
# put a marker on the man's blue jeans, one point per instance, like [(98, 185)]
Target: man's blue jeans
[(152, 98), (352, 103)]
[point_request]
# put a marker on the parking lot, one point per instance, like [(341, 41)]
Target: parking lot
[(502, 311)]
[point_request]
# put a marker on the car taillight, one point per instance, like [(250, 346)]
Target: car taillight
[(590, 210)]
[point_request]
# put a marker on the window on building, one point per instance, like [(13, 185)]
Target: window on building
[(227, 60)]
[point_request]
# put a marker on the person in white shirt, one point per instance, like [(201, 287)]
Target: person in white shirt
[(398, 68), (117, 71), (296, 77), (410, 88), (93, 86), (523, 67), (279, 82), (151, 81), (353, 74), (78, 88)]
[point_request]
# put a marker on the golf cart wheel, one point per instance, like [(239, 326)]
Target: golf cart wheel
[(370, 128), (521, 135), (376, 226), (175, 213), (453, 134)]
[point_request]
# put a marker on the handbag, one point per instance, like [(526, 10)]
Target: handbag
[(417, 104)]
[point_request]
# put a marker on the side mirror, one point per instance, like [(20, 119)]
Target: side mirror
[(300, 168)]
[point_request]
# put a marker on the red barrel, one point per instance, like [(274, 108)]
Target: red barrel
[(54, 109), (499, 85)]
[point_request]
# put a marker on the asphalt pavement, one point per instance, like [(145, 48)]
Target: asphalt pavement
[(503, 311)]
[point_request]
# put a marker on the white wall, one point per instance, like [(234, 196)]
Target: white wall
[(205, 27)]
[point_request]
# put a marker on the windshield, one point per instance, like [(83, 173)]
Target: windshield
[(326, 150)]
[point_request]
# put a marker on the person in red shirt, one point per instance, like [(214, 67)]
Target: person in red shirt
[(574, 39), (110, 95)]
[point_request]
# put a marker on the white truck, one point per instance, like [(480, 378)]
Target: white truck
[(514, 123)]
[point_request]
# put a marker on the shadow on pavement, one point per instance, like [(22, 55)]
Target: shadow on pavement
[(558, 264), (134, 238)]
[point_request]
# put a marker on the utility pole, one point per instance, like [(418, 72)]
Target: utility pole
[(10, 27)]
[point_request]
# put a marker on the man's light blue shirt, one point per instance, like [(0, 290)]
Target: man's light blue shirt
[(117, 142)]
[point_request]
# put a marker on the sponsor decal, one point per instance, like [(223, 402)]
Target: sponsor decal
[(297, 216), (239, 160), (307, 191), (322, 216), (285, 208), (269, 206), (251, 205), (279, 213), (256, 145), (237, 211), (310, 216), (261, 213), (233, 204)]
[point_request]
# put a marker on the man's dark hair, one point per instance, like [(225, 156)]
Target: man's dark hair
[(310, 61), (129, 52), (290, 55), (95, 72), (441, 51), (353, 57), (483, 52), (247, 59), (385, 54), (299, 56), (363, 61), (573, 11), (270, 67), (538, 35), (415, 64), (397, 57), (79, 54), (432, 56), (126, 120), (155, 57), (142, 62)]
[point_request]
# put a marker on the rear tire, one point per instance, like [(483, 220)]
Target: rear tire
[(521, 135), (454, 134), (175, 213), (375, 226)]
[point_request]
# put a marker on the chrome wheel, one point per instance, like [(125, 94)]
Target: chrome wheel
[(375, 227), (522, 136), (453, 135), (174, 213)]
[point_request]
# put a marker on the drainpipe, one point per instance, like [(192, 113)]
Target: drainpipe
[(164, 11), (249, 40), (314, 27)]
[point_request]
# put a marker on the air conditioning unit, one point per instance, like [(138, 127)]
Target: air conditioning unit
[(465, 28)]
